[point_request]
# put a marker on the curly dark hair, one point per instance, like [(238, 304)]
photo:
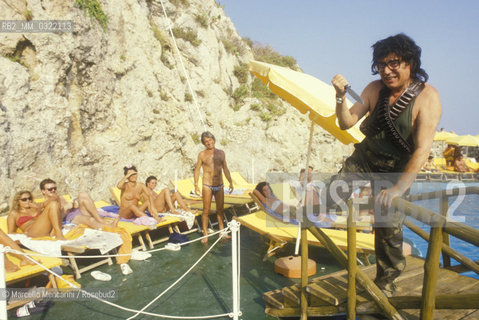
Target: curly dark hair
[(260, 186), (129, 167), (150, 178), (405, 48)]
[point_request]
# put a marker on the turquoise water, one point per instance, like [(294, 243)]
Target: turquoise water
[(465, 210)]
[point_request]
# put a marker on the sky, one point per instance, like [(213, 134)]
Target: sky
[(331, 37)]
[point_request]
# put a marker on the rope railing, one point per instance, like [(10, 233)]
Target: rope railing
[(233, 226)]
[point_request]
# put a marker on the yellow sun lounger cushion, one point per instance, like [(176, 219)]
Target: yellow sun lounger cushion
[(30, 271), (267, 225)]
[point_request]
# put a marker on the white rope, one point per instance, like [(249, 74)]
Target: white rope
[(179, 279), (183, 67), (137, 312)]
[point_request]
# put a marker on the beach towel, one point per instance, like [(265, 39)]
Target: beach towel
[(126, 246), (95, 239), (50, 248), (176, 237), (186, 216), (112, 212), (144, 221), (77, 236)]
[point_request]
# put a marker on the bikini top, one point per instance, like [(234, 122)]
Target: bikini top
[(24, 219)]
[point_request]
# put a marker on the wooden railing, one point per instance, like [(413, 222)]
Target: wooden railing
[(441, 228)]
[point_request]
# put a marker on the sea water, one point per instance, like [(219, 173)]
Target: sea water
[(464, 209)]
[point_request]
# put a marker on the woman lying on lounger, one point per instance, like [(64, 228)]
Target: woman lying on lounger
[(165, 200), (264, 194), (132, 192), (32, 220)]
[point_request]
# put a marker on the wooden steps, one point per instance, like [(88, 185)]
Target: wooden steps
[(327, 295)]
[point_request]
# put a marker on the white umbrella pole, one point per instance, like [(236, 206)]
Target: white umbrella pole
[(305, 182)]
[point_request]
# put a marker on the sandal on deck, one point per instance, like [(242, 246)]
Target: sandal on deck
[(125, 269), (98, 275)]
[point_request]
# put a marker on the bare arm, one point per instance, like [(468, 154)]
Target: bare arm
[(349, 117), (64, 205), (12, 221), (425, 128), (260, 197), (227, 173), (197, 173), (122, 182), (149, 199)]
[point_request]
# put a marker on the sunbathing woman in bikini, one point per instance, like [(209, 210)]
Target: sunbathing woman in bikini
[(33, 220), (165, 200), (264, 194), (131, 194), (287, 211)]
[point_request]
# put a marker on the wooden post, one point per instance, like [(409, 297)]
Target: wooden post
[(377, 295), (304, 273), (456, 229), (352, 266), (431, 271), (444, 207), (445, 249)]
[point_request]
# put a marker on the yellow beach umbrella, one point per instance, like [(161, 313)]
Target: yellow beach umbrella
[(307, 94), (443, 135), (466, 141)]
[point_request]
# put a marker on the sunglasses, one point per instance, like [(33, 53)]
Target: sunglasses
[(391, 64), (52, 189), (26, 199)]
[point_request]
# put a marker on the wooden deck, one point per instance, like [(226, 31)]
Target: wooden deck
[(328, 294)]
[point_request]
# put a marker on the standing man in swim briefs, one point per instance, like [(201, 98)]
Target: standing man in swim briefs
[(404, 112), (213, 162)]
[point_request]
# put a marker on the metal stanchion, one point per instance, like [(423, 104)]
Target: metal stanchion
[(234, 227)]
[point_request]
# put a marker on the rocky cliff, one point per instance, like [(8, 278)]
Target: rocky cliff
[(78, 106)]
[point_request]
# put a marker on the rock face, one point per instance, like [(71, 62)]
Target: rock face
[(77, 107)]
